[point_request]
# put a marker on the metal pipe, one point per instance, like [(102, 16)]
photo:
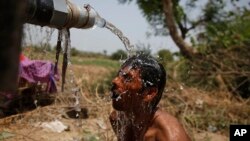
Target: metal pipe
[(62, 14)]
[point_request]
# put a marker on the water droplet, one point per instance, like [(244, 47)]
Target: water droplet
[(150, 83), (119, 97)]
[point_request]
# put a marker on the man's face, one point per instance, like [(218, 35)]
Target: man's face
[(126, 87)]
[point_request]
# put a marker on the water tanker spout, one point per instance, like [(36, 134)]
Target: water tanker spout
[(62, 14)]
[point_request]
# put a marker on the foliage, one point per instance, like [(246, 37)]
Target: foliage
[(79, 53), (198, 110), (153, 12), (74, 52), (221, 40), (165, 56), (225, 45), (226, 33), (226, 69), (95, 61), (105, 84), (119, 55)]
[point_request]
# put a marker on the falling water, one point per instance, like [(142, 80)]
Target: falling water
[(122, 120), (58, 49), (67, 65), (101, 22), (65, 56), (124, 39)]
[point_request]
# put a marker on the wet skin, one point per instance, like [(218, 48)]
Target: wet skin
[(125, 89), (133, 119)]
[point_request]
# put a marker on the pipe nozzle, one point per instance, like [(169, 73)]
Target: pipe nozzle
[(62, 14)]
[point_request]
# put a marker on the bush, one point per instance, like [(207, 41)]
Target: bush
[(119, 55), (165, 56)]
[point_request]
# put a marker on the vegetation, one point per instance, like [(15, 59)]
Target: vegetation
[(198, 110), (119, 55), (218, 57)]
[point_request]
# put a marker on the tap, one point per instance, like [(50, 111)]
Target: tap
[(62, 14)]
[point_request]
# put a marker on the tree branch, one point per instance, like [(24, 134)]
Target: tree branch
[(185, 49)]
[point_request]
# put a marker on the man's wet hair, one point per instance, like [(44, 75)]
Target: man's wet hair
[(152, 74)]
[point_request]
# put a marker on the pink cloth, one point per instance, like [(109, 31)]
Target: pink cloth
[(35, 71)]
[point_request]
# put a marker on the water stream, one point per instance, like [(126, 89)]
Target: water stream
[(66, 64), (130, 48), (58, 49), (64, 46), (66, 55), (102, 23)]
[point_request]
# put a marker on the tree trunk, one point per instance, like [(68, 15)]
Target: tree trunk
[(185, 49), (10, 35)]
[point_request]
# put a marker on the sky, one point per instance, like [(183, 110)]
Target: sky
[(126, 17)]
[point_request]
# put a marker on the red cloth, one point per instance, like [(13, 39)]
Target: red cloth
[(22, 57)]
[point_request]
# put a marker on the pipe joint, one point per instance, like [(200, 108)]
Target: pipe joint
[(60, 14)]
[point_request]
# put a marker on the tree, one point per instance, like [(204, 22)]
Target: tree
[(168, 17), (154, 11), (218, 56)]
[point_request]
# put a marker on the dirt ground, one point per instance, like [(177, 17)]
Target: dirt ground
[(94, 126), (27, 127), (91, 129)]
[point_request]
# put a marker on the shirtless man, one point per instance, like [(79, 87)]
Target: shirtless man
[(136, 92)]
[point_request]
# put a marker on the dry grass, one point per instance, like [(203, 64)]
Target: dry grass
[(95, 127), (205, 111), (199, 111)]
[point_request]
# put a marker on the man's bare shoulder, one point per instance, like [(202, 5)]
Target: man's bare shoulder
[(169, 127), (162, 118)]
